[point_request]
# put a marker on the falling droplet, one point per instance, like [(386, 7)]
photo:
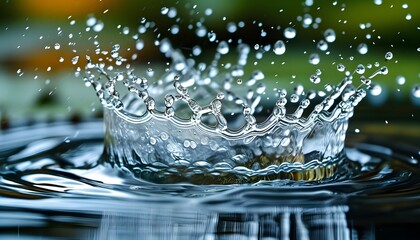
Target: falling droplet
[(90, 21), (360, 69), (389, 55), (279, 48), (289, 33), (329, 35), (341, 67), (314, 59), (375, 90), (400, 80), (362, 48), (322, 45), (223, 48), (164, 10), (416, 91)]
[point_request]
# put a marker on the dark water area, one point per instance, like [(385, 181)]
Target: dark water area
[(53, 186)]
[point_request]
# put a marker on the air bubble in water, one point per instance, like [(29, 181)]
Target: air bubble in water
[(388, 56), (56, 46), (377, 2), (341, 67), (408, 16), (289, 32), (416, 91), (329, 35), (279, 48), (362, 48), (314, 59)]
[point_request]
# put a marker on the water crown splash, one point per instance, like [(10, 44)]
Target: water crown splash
[(194, 124)]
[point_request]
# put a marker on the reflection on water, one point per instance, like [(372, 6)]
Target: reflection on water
[(53, 187)]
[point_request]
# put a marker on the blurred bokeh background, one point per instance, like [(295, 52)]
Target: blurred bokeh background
[(38, 39)]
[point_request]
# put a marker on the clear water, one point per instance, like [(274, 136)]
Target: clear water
[(202, 149), (55, 185)]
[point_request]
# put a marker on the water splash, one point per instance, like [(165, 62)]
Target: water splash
[(193, 119)]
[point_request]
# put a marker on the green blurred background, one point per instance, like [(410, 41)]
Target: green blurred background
[(36, 86)]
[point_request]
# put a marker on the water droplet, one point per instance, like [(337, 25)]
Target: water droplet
[(74, 60), (172, 12), (416, 91), (360, 69), (56, 46), (223, 47), (196, 50), (375, 90), (294, 98), (279, 48), (314, 59), (201, 31), (408, 16), (307, 20), (388, 56), (175, 29), (377, 2), (91, 21), (164, 10), (322, 45), (126, 30), (99, 26), (329, 35), (208, 11), (315, 79), (139, 44), (400, 80), (341, 67), (362, 48), (211, 36), (231, 27), (239, 81), (289, 33)]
